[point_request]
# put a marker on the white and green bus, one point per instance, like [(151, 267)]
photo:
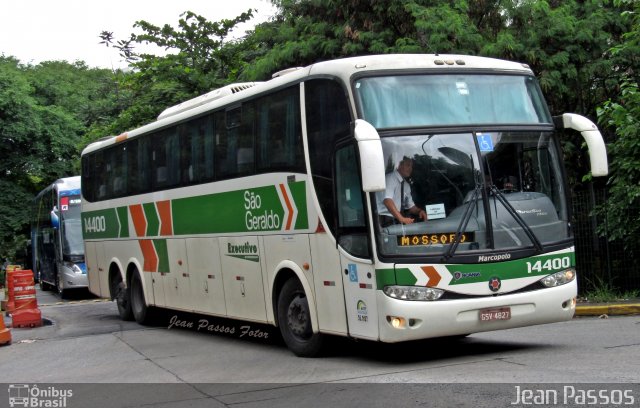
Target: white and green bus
[(262, 202)]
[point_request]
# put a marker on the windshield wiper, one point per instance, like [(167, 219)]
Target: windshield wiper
[(468, 210), (525, 227)]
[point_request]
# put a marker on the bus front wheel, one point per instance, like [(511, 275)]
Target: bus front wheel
[(294, 320), (142, 313), (60, 287)]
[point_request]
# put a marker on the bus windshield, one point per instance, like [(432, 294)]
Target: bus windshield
[(70, 227), (480, 191), (452, 99)]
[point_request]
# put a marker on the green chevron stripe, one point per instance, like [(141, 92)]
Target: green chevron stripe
[(153, 221)]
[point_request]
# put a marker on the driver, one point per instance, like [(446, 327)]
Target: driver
[(397, 197), (509, 183)]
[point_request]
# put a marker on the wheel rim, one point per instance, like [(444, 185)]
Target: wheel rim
[(298, 318)]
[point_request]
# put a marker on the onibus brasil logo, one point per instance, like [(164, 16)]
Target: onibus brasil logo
[(24, 395)]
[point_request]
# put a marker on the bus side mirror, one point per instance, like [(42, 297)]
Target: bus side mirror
[(371, 157), (591, 134), (55, 220)]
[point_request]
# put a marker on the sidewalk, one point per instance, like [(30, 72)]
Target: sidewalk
[(609, 309)]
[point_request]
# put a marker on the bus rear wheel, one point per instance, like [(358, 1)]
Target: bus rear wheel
[(294, 320), (142, 313), (122, 296)]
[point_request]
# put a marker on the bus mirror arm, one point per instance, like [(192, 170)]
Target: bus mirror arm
[(371, 156), (55, 220), (591, 134)]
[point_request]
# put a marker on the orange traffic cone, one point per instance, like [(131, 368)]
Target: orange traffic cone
[(5, 334)]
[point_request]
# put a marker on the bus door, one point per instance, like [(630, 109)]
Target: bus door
[(358, 272), (47, 255)]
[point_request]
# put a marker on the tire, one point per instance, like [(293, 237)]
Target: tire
[(122, 296), (142, 313), (44, 286), (294, 321)]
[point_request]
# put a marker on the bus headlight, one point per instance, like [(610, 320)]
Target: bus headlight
[(75, 268), (559, 278), (413, 292)]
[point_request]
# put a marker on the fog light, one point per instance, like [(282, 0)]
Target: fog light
[(396, 322), (559, 278)]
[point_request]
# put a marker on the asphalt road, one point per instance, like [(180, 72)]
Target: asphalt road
[(107, 362)]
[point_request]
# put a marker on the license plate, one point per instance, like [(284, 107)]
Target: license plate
[(501, 313)]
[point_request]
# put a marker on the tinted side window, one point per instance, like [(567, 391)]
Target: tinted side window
[(279, 132), (196, 150), (165, 159), (328, 120)]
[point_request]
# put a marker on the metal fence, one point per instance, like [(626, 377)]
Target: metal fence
[(598, 259)]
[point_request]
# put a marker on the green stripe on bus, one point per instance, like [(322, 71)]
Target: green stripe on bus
[(385, 277), (163, 255), (249, 210), (299, 192), (404, 276), (123, 217), (153, 222), (520, 268), (101, 224)]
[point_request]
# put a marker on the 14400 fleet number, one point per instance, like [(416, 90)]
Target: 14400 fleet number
[(549, 265)]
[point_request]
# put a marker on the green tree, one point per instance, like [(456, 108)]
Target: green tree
[(200, 58), (566, 44), (89, 94), (37, 144), (309, 31), (623, 115)]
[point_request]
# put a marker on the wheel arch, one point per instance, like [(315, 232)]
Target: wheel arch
[(115, 277), (287, 270)]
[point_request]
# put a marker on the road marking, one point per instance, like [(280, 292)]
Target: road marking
[(75, 302)]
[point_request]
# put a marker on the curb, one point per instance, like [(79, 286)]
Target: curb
[(611, 310)]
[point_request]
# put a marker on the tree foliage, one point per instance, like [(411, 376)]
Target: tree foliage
[(309, 31), (622, 114), (44, 110), (199, 58)]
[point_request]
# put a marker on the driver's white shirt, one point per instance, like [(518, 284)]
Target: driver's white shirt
[(394, 181)]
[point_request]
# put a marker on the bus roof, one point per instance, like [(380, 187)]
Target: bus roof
[(68, 184), (64, 186), (343, 68)]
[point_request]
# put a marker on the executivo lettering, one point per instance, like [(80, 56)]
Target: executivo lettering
[(246, 251), (494, 258), (245, 248)]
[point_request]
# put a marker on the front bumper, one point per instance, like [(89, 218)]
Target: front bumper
[(460, 317)]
